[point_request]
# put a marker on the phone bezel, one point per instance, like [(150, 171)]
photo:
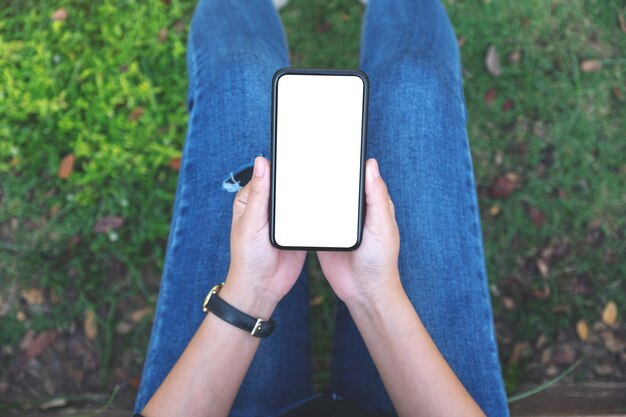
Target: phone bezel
[(361, 215)]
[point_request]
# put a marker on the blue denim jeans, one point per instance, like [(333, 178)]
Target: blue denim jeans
[(416, 131)]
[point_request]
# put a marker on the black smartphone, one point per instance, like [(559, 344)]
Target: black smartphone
[(318, 144)]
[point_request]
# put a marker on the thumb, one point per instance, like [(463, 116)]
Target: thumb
[(377, 196), (257, 209)]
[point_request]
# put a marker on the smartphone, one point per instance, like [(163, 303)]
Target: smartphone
[(318, 144)]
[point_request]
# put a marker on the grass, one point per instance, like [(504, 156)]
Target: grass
[(108, 85)]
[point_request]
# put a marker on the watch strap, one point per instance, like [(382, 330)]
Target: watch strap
[(255, 326)]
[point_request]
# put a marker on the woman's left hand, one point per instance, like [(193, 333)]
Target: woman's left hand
[(257, 267)]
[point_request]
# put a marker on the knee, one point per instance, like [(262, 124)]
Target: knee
[(418, 88)]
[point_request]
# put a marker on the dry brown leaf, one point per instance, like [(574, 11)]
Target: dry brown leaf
[(139, 314), (20, 315), (108, 223), (517, 352), (610, 342), (490, 95), (317, 300), (492, 61), (90, 326), (32, 295), (123, 327), (136, 114), (515, 56), (543, 267), (508, 303), (59, 14), (508, 105), (621, 21), (502, 187), (54, 403), (34, 345), (590, 65), (66, 167), (582, 330), (609, 314), (162, 35), (536, 216), (175, 163), (494, 210), (54, 297), (461, 41)]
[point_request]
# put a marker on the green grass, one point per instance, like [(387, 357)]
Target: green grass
[(71, 87)]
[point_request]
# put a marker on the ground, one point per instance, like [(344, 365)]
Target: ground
[(92, 120)]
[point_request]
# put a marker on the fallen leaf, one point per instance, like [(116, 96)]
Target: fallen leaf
[(162, 35), (134, 381), (324, 27), (345, 17), (582, 330), (35, 345), (179, 26), (175, 163), (610, 342), (317, 300), (107, 223), (461, 41), (32, 295), (492, 61), (59, 14), (136, 114), (90, 326), (617, 93), (53, 403), (66, 167), (603, 369), (123, 327), (543, 267), (564, 355), (543, 294), (54, 297), (137, 315), (490, 95), (507, 105), (494, 210), (502, 187), (609, 314), (621, 21), (517, 352), (590, 65), (20, 315), (515, 56), (508, 303), (536, 216)]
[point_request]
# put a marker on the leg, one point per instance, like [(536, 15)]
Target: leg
[(234, 49), (417, 132)]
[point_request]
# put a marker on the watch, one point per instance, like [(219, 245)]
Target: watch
[(255, 326)]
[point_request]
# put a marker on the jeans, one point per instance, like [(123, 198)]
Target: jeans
[(416, 131)]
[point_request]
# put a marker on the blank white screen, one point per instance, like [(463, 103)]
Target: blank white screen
[(318, 151)]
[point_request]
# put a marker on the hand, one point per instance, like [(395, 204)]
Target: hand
[(256, 266), (373, 266)]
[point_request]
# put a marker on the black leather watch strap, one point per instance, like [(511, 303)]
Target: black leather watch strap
[(255, 326)]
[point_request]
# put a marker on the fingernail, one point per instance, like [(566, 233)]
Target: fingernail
[(375, 172), (259, 168)]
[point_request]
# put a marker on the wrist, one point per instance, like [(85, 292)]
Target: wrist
[(254, 301), (379, 299)]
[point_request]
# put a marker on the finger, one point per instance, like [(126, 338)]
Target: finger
[(376, 194), (257, 198), (240, 201)]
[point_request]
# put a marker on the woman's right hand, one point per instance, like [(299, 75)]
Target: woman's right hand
[(373, 266)]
